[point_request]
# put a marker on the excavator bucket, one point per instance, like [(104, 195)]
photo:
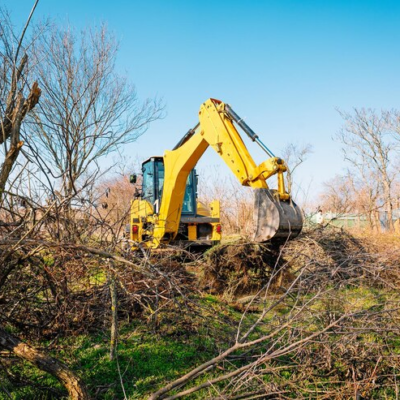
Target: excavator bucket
[(274, 218)]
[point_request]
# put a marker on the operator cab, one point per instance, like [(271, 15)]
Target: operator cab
[(153, 181), (198, 226)]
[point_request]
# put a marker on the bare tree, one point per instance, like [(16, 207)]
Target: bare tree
[(87, 110), (392, 118), (338, 196), (17, 98), (367, 145)]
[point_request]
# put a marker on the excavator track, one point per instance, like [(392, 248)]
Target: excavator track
[(274, 218)]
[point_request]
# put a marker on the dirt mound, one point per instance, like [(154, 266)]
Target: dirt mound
[(240, 268)]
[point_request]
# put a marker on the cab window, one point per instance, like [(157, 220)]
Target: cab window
[(148, 182), (159, 178), (188, 200)]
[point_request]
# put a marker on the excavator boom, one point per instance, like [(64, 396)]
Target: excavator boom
[(275, 214)]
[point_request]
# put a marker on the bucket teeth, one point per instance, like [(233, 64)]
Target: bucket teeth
[(274, 218)]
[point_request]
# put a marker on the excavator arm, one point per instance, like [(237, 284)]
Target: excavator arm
[(275, 214)]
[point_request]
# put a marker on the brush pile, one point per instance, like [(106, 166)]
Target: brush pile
[(66, 291), (333, 256)]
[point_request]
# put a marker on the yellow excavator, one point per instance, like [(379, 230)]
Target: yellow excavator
[(166, 210)]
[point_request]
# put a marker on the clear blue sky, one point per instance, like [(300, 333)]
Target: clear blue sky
[(283, 65)]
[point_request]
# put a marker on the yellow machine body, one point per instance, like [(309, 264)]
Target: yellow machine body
[(204, 229), (160, 223)]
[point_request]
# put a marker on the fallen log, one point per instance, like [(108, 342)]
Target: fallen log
[(74, 385)]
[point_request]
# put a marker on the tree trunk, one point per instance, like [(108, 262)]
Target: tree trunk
[(10, 128), (377, 221), (389, 205), (75, 387), (114, 318), (7, 166)]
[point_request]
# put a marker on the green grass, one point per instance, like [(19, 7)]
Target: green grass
[(158, 350), (149, 354), (145, 360)]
